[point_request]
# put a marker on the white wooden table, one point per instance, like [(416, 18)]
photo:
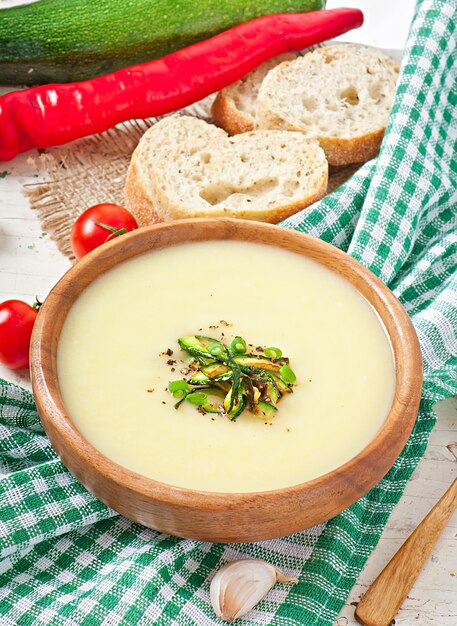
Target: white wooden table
[(30, 264)]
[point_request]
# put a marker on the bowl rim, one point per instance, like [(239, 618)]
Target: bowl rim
[(391, 436)]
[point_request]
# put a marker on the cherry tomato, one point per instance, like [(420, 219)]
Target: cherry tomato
[(16, 324), (98, 224)]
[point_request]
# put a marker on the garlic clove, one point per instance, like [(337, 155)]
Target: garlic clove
[(238, 586)]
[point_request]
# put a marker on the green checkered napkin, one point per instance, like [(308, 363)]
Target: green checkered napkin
[(70, 561)]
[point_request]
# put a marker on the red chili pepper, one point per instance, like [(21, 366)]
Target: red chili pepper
[(50, 115)]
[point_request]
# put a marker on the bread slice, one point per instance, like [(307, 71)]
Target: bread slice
[(340, 95), (163, 142), (184, 167), (234, 108)]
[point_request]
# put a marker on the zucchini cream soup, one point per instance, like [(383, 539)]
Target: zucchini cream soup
[(118, 352)]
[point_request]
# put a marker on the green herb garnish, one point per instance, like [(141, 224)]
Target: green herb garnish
[(287, 375), (273, 353), (198, 398), (238, 346), (228, 380), (178, 386)]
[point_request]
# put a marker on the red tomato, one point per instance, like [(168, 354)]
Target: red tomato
[(87, 234), (16, 324)]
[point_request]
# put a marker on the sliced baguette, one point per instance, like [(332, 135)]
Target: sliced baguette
[(340, 95), (234, 108), (184, 167), (165, 141)]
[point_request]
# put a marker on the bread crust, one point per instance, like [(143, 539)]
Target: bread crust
[(226, 115), (137, 200), (342, 151)]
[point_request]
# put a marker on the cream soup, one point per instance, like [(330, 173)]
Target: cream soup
[(113, 372)]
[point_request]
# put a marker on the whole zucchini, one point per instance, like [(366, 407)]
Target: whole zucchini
[(68, 40)]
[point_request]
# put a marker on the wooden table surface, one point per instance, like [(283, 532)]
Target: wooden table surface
[(30, 264)]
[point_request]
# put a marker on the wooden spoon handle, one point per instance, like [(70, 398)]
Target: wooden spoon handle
[(381, 602)]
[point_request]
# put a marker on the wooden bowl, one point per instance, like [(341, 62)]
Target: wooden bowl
[(224, 517)]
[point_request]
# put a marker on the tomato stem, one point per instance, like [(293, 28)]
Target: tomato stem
[(115, 232), (37, 304)]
